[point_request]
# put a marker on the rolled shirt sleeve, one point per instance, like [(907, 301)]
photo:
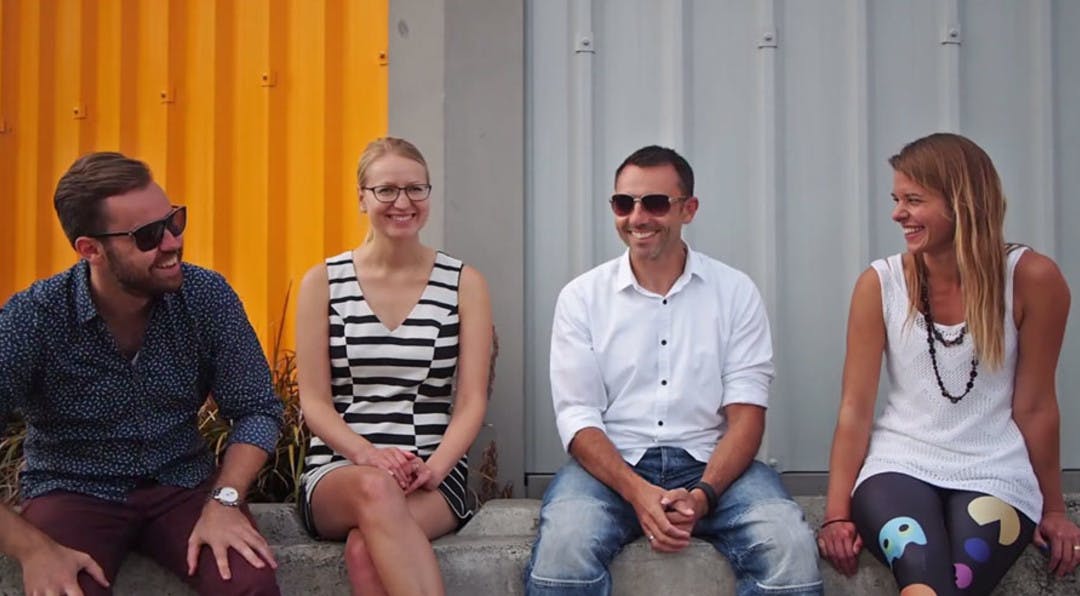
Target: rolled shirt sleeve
[(241, 383), (18, 328), (577, 386), (747, 367)]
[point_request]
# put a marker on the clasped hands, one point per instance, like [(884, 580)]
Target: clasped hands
[(667, 517), (408, 469), (839, 543)]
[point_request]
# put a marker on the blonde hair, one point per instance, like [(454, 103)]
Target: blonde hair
[(962, 172), (382, 147)]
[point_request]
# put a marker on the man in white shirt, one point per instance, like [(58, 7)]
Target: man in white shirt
[(661, 362)]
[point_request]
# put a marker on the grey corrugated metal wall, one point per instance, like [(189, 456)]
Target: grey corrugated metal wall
[(788, 111)]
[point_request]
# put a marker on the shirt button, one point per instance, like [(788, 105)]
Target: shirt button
[(663, 342), (660, 423), (663, 382), (665, 300)]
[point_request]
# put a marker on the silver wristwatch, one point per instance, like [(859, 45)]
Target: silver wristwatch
[(226, 495)]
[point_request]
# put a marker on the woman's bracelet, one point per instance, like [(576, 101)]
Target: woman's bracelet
[(833, 521)]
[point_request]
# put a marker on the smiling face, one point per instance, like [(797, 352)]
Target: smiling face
[(140, 273), (403, 217), (923, 214), (653, 237)]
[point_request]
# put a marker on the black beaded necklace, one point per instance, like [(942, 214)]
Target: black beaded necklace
[(931, 332), (948, 343)]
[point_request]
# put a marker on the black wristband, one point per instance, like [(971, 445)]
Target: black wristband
[(710, 494)]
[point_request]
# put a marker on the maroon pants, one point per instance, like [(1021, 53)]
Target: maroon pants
[(155, 521)]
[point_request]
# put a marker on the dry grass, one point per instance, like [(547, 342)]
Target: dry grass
[(11, 461), (489, 476), (488, 470)]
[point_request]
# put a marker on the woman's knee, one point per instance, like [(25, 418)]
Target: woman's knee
[(374, 489)]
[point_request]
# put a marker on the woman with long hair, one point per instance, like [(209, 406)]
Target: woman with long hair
[(961, 470), (393, 352)]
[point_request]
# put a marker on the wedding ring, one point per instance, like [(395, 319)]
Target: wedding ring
[(651, 538), (1076, 547)]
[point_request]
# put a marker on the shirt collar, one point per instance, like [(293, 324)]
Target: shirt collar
[(84, 304), (624, 274)]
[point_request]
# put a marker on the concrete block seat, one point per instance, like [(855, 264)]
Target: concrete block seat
[(488, 555)]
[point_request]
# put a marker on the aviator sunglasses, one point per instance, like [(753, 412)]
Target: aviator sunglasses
[(147, 237), (623, 204)]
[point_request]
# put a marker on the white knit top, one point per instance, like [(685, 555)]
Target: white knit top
[(972, 445)]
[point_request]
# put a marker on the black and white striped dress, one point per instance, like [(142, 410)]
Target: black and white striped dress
[(393, 387)]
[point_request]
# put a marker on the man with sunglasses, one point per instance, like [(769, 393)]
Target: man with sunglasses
[(109, 362), (661, 362)]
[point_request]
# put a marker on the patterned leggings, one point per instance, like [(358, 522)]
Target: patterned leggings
[(938, 541)]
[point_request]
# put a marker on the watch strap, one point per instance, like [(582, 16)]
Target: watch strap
[(710, 494)]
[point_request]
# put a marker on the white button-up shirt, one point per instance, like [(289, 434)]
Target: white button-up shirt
[(652, 370)]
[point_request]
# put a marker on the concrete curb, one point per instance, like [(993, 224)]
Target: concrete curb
[(489, 554)]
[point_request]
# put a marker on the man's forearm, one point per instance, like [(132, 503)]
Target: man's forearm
[(598, 455), (735, 451), (242, 463), (728, 462), (18, 537)]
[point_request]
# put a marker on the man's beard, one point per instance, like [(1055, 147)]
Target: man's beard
[(142, 282)]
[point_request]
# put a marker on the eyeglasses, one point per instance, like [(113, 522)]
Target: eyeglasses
[(389, 193), (623, 204), (147, 237)]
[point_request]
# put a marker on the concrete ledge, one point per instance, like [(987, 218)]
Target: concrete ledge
[(489, 554)]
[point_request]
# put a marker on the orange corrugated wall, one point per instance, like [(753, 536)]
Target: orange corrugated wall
[(250, 112)]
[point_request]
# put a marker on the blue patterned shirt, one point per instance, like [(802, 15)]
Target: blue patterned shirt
[(99, 424)]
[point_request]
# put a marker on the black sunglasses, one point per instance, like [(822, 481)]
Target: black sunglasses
[(623, 204), (147, 237)]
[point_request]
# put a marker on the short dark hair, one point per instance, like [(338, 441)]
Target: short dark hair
[(655, 155), (93, 178)]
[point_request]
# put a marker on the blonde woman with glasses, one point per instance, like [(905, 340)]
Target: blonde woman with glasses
[(393, 349)]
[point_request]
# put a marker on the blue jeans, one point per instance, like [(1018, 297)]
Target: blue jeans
[(756, 526)]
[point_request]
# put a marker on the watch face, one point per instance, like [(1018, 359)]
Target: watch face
[(227, 494)]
